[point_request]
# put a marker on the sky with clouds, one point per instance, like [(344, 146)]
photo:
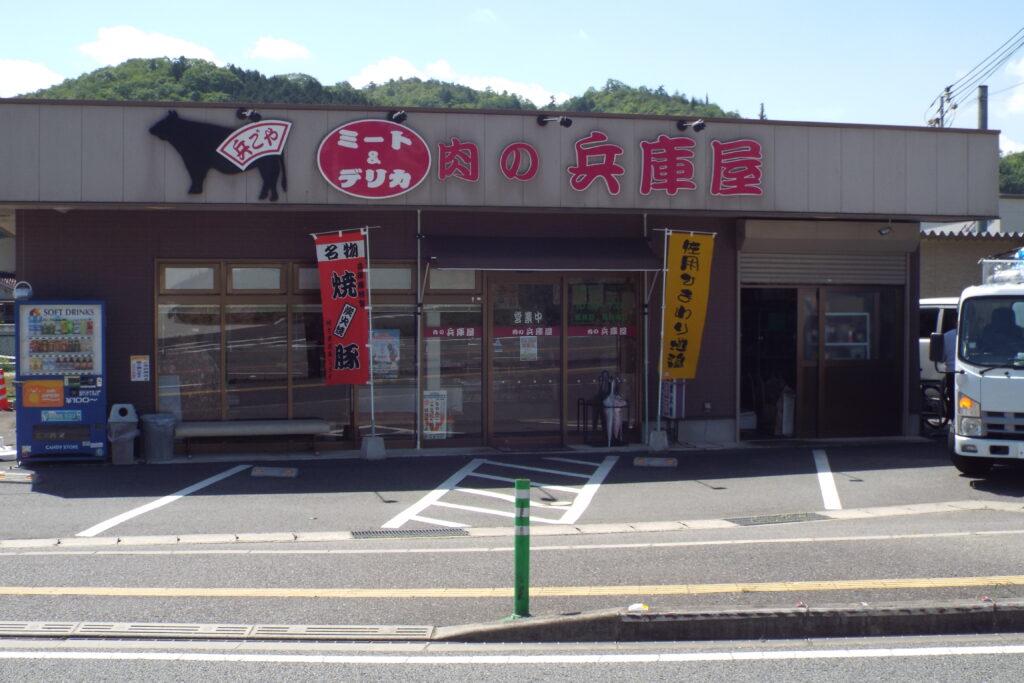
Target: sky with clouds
[(876, 62)]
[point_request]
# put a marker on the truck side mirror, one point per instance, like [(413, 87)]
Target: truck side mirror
[(936, 347)]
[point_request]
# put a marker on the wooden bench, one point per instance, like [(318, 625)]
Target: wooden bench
[(205, 429)]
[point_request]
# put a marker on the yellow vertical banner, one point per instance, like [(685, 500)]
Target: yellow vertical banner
[(687, 286)]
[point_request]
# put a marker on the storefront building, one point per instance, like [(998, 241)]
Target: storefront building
[(515, 262)]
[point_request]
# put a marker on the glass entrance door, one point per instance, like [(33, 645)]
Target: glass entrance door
[(525, 320)]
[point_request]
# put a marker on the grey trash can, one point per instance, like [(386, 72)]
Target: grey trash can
[(158, 437), (122, 428)]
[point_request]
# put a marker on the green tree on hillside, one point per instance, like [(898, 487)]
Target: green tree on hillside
[(197, 80), (1011, 174)]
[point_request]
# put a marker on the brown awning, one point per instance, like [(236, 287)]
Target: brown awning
[(521, 253)]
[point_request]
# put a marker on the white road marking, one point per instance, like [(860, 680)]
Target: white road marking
[(582, 495), (435, 495), (538, 546), (829, 494), (505, 659), (114, 521)]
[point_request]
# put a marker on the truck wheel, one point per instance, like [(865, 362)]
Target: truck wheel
[(972, 467)]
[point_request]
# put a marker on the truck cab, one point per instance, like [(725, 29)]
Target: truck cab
[(988, 424)]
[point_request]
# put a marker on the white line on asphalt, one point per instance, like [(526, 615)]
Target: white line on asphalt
[(505, 659), (432, 497), (825, 480), (589, 489), (535, 484), (114, 521), (537, 546)]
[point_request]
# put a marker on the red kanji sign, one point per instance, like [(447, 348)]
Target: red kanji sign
[(341, 260), (256, 140), (373, 159), (736, 168)]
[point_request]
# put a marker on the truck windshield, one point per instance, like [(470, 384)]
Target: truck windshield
[(992, 331)]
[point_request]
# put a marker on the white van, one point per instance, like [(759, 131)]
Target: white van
[(937, 315)]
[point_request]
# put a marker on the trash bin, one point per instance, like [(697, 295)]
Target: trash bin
[(122, 428), (158, 437)]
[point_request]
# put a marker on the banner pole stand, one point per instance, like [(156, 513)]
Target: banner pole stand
[(657, 440), (372, 447)]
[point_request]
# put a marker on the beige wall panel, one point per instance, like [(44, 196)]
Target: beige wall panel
[(783, 180), (922, 173), (151, 166), (823, 168), (60, 153), (815, 169), (858, 170), (306, 185), (951, 168), (982, 174), (19, 153), (103, 154), (498, 133), (890, 172), (767, 200)]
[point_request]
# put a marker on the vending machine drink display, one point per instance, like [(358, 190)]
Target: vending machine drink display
[(61, 397)]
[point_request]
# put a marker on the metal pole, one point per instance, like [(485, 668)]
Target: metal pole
[(419, 330), (369, 340), (521, 605), (661, 324)]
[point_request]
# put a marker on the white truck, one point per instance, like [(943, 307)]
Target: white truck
[(987, 425)]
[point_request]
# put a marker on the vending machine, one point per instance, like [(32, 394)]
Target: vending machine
[(61, 388)]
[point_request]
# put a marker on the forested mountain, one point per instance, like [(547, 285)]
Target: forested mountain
[(197, 80)]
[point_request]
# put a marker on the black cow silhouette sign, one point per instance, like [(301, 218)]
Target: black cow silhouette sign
[(203, 146)]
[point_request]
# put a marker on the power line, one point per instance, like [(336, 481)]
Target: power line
[(957, 92)]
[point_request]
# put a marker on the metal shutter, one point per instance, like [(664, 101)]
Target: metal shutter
[(875, 269)]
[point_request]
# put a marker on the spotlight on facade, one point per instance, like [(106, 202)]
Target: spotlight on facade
[(563, 121), (697, 125), (397, 116), (885, 230), (248, 114)]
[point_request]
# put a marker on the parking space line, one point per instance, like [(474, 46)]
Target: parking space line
[(535, 484), (826, 481), (581, 495), (562, 473), (439, 522), (124, 517), (435, 495)]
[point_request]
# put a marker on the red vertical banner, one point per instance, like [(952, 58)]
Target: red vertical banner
[(341, 260)]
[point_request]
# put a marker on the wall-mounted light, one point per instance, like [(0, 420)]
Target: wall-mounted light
[(397, 116), (697, 125), (885, 230), (563, 121), (248, 114)]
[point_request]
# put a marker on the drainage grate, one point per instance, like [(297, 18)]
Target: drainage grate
[(778, 519), (398, 533)]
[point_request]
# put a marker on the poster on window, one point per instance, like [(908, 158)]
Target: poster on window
[(435, 414), (341, 263), (386, 347), (687, 286), (527, 348)]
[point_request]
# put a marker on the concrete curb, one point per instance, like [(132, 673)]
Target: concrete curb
[(896, 619)]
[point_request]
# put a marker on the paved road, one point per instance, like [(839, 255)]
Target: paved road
[(911, 659)]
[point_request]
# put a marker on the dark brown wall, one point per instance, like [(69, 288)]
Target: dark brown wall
[(111, 256)]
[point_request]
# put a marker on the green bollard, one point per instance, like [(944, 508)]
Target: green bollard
[(521, 606)]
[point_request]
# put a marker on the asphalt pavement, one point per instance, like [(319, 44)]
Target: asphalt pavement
[(635, 623)]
